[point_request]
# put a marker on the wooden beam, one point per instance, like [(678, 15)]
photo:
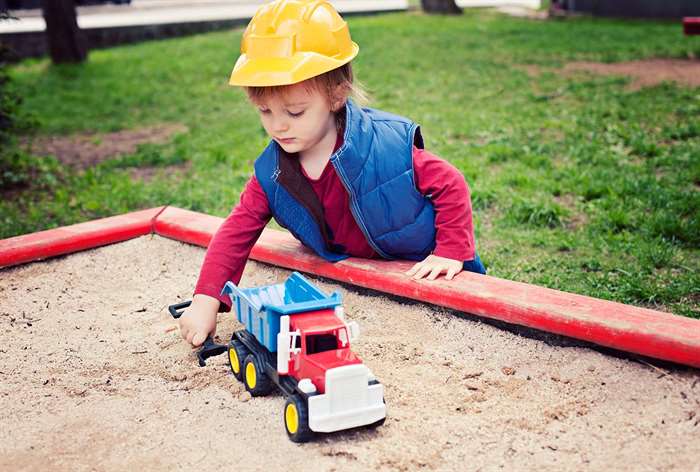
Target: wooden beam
[(78, 237), (624, 327)]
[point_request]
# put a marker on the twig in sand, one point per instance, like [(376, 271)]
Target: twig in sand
[(663, 372)]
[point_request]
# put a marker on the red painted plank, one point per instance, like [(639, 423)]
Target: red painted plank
[(624, 327), (691, 26), (67, 239), (186, 226), (615, 325)]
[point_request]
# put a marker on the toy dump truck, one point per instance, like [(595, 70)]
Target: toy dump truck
[(297, 339)]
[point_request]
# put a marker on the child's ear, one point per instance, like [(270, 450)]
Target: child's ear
[(339, 98), (338, 104)]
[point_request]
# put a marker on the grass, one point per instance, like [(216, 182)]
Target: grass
[(577, 183)]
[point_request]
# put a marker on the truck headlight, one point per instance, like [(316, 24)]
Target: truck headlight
[(306, 386)]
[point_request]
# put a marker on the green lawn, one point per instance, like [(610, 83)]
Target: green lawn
[(578, 183)]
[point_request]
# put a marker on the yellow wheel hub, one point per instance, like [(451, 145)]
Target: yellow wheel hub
[(233, 358), (250, 375), (291, 417)]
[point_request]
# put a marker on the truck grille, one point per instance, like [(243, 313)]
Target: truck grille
[(347, 387)]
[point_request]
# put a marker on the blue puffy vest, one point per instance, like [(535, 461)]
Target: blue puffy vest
[(375, 164)]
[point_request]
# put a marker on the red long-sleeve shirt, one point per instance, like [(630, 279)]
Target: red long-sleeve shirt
[(232, 243)]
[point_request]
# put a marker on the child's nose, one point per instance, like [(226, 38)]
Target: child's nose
[(281, 125)]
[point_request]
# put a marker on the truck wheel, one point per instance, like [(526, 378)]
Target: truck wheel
[(237, 353), (254, 377), (296, 419)]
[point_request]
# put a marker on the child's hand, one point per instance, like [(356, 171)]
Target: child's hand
[(434, 266), (199, 319)]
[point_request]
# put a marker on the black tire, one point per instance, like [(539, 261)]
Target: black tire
[(237, 352), (296, 418), (254, 377)]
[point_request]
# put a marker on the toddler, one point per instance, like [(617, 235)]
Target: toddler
[(344, 180)]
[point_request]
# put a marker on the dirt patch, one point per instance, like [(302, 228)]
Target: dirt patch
[(91, 378), (645, 73), (575, 219), (175, 172), (533, 71), (82, 151)]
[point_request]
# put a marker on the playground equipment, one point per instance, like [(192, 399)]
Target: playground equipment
[(691, 26)]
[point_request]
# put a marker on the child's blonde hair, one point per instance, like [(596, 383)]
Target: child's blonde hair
[(337, 85)]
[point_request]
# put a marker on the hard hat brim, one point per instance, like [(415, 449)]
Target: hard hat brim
[(276, 71)]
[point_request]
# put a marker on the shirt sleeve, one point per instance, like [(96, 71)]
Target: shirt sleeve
[(449, 193), (230, 247)]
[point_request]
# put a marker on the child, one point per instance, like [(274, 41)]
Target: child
[(345, 181)]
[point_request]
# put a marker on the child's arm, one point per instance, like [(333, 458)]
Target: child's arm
[(454, 239), (225, 260)]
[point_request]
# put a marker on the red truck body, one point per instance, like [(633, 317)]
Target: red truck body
[(322, 337)]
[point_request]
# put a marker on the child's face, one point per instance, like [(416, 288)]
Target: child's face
[(298, 119)]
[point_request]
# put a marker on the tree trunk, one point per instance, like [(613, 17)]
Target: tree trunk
[(66, 42), (441, 6)]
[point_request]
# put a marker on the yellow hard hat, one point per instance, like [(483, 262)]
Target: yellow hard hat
[(288, 41)]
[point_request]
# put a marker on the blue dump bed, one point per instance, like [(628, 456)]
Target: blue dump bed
[(259, 309)]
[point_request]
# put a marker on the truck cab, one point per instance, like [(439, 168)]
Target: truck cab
[(322, 343)]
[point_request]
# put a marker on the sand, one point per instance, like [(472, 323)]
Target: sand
[(92, 379)]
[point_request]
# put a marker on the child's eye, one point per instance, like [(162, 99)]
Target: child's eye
[(296, 115), (264, 110)]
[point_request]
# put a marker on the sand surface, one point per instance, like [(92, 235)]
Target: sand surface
[(91, 379)]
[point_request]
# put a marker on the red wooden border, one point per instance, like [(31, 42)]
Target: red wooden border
[(67, 239), (628, 328), (624, 327), (691, 26)]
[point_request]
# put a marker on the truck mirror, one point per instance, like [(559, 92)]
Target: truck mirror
[(354, 331), (294, 343), (343, 337)]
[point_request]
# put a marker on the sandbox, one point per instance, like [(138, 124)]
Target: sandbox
[(92, 377)]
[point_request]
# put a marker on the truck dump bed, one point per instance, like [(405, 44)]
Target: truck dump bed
[(260, 308)]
